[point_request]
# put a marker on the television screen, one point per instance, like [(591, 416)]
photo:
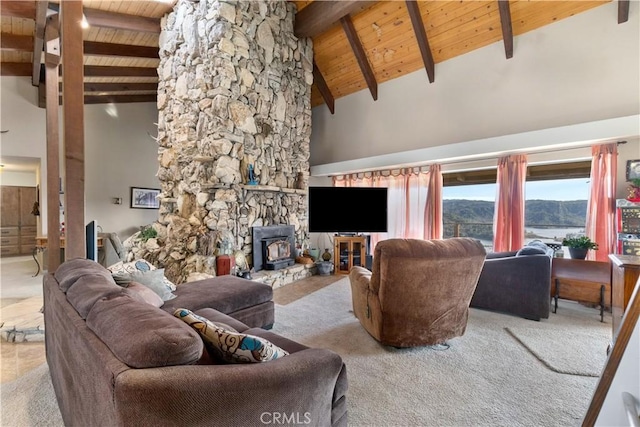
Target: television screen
[(91, 231), (347, 209)]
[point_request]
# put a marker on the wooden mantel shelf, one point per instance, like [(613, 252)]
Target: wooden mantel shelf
[(272, 188), (258, 187)]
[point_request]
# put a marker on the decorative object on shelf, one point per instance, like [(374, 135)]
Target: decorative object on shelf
[(326, 256), (579, 246), (633, 170), (315, 253), (324, 267), (634, 190), (252, 176), (145, 198)]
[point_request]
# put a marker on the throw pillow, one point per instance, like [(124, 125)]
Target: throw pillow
[(121, 267), (149, 296), (230, 346), (153, 279)]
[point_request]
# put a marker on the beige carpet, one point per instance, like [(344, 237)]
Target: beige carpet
[(587, 357), (486, 378)]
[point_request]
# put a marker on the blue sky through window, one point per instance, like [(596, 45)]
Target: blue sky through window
[(561, 189)]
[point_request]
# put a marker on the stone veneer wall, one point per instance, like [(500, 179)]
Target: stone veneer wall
[(234, 89)]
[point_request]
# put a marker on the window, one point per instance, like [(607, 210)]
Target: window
[(467, 211), (555, 205), (555, 208)]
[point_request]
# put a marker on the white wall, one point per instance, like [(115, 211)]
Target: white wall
[(581, 69), (26, 124), (18, 179), (118, 152), (627, 379)]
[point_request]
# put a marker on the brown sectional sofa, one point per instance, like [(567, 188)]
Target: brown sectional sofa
[(117, 361)]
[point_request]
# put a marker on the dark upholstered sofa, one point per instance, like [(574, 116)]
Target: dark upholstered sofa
[(516, 282), (116, 360)]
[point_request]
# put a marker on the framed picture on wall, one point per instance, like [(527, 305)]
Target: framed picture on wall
[(145, 198), (633, 169)]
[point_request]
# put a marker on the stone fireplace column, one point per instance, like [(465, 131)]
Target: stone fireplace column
[(234, 91)]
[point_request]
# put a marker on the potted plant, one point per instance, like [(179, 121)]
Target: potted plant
[(579, 246)]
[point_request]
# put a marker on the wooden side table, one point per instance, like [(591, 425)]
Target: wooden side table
[(625, 273), (582, 281)]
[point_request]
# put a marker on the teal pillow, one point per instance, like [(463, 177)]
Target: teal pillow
[(230, 345), (152, 279)]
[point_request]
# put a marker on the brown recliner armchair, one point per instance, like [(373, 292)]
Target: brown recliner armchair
[(419, 291)]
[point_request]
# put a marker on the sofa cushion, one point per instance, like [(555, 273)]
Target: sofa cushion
[(70, 271), (143, 336), (230, 346), (153, 279), (89, 289), (224, 293), (145, 293)]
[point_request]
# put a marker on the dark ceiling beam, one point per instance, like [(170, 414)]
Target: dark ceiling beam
[(321, 84), (24, 69), (105, 71), (119, 87), (119, 21), (421, 37), (507, 31), (118, 99), (10, 41), (15, 69), (361, 56), (18, 9), (26, 43), (319, 16), (114, 49), (38, 39), (623, 11)]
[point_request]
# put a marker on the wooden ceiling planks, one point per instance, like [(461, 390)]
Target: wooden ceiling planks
[(384, 29), (453, 28)]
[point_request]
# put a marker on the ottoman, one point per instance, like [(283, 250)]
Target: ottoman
[(244, 300)]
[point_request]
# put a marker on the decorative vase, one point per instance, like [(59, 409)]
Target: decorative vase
[(315, 253), (326, 256), (324, 268), (578, 253)]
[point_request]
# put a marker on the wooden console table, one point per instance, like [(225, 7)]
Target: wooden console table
[(41, 245), (625, 273), (582, 281)]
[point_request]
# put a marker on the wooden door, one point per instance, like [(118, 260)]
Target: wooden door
[(10, 206), (27, 199)]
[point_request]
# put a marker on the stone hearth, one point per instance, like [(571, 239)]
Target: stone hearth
[(234, 91)]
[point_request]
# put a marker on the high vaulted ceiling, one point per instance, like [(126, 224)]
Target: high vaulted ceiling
[(373, 43)]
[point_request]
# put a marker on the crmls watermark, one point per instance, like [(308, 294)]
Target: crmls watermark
[(294, 418)]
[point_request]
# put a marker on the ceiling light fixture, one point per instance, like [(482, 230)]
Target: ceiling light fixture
[(84, 23)]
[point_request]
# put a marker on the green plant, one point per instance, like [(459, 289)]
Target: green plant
[(147, 233), (581, 242)]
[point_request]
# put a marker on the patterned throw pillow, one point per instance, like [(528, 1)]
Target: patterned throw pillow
[(232, 347), (143, 265), (153, 279)]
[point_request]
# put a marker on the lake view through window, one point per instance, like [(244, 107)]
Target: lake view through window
[(553, 209)]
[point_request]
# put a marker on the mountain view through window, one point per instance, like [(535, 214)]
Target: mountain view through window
[(553, 209)]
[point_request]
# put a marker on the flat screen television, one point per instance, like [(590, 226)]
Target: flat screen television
[(347, 210), (91, 231)]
